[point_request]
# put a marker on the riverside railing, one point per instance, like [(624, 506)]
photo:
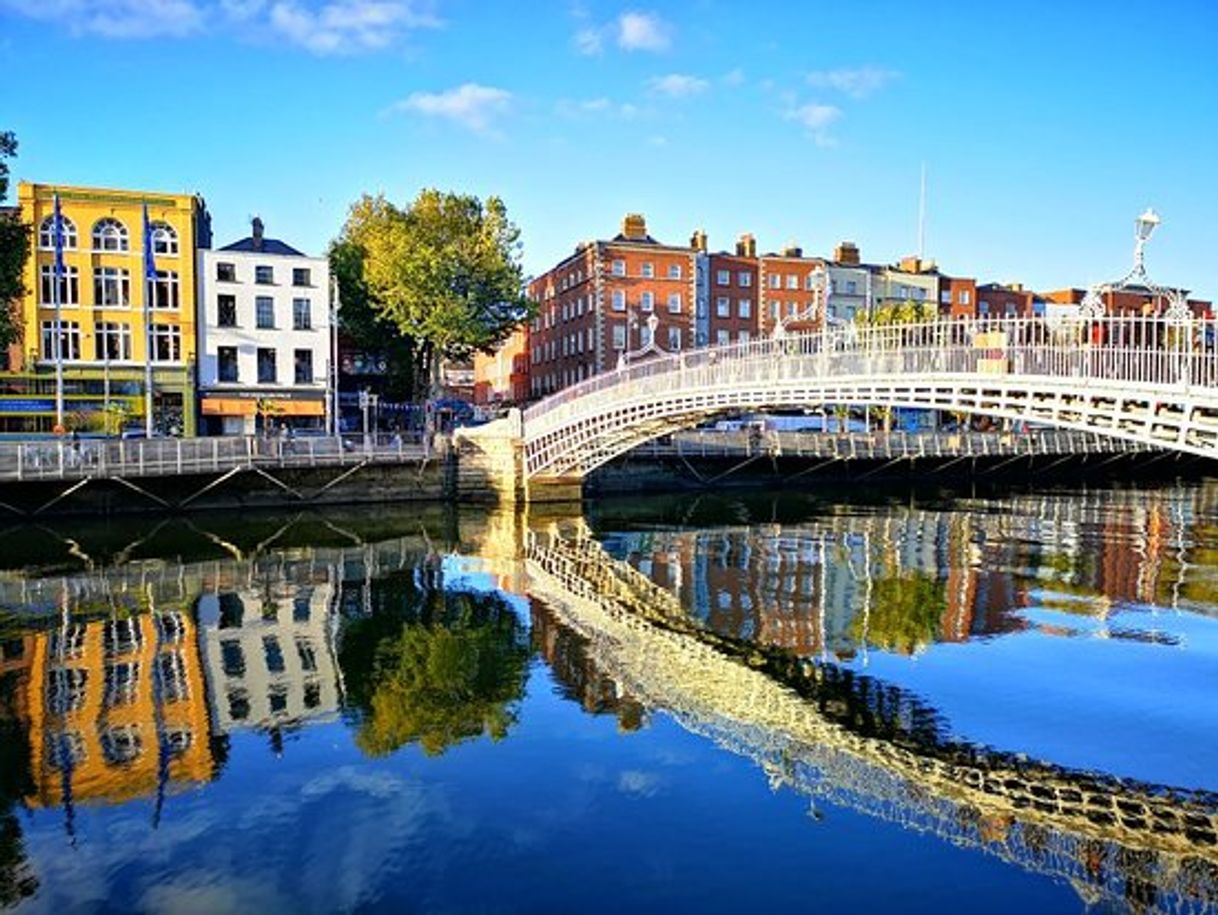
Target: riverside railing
[(65, 459), (885, 445)]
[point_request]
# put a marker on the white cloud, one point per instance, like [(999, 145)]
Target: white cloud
[(595, 107), (643, 32), (470, 105), (589, 42), (345, 26), (116, 18), (325, 27), (733, 77), (678, 85), (858, 82), (816, 119)]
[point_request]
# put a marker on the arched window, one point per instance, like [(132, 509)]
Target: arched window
[(109, 235), (46, 233), (164, 238)]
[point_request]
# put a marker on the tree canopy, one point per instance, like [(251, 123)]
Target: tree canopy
[(14, 249), (438, 279)]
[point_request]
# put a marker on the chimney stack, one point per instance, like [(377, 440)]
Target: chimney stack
[(847, 253), (792, 250), (634, 227), (746, 246), (697, 241), (256, 224)]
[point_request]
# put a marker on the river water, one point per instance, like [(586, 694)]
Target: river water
[(892, 700)]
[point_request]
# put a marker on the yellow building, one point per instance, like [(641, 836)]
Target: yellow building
[(105, 301)]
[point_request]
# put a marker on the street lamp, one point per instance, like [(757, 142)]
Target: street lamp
[(650, 346)]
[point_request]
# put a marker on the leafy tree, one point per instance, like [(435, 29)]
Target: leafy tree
[(14, 250), (444, 271), (435, 667)]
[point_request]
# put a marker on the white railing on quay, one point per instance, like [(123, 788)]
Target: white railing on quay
[(67, 459)]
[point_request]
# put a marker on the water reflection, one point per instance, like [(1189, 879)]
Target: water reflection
[(779, 627)]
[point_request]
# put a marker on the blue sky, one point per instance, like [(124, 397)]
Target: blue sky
[(1045, 127)]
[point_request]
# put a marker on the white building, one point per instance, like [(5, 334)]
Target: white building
[(264, 337)]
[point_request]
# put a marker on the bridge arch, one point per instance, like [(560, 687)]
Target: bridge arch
[(1152, 381)]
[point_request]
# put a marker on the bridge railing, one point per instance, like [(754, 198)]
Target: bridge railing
[(59, 459), (1141, 350)]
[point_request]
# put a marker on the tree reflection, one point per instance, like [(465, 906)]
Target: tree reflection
[(17, 880), (906, 612), (433, 666)]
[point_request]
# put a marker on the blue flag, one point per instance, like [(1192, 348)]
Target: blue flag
[(57, 226), (149, 256)]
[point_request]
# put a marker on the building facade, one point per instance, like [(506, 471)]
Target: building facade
[(596, 307), (105, 303), (265, 337)]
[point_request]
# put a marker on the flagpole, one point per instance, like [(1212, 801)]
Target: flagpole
[(149, 271), (56, 279), (147, 358)]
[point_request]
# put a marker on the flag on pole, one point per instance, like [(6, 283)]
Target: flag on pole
[(57, 225), (149, 256)]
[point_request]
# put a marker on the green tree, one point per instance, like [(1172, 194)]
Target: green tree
[(444, 271), (14, 250), (906, 612), (435, 668)]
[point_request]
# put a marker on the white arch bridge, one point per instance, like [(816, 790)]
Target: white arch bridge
[(1146, 380)]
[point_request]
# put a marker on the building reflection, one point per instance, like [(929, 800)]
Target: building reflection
[(901, 578)]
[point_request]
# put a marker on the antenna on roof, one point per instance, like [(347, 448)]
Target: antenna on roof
[(922, 216)]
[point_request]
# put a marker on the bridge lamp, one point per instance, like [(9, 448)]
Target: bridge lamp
[(1146, 225)]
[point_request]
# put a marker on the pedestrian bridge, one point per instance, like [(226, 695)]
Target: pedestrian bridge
[(1150, 381)]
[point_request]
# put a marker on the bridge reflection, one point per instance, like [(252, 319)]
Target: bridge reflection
[(127, 679)]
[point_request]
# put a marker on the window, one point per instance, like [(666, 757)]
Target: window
[(164, 238), (264, 311), (744, 336), (226, 364), (46, 233), (810, 282), (619, 300), (722, 337), (226, 311), (744, 278), (266, 366), (649, 269), (648, 301), (232, 658), (300, 276), (69, 286), (964, 297), (264, 274), (166, 343), (619, 268), (619, 336), (646, 336), (109, 235), (792, 281), (674, 271), (723, 277), (744, 308), (112, 341), (674, 303), (111, 287), (983, 307), (723, 307), (775, 309), (69, 340), (226, 273), (775, 281), (852, 287), (165, 289), (674, 339), (301, 315), (945, 297)]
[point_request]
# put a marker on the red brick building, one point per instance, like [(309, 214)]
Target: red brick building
[(732, 296), (502, 377), (957, 297), (790, 290), (996, 300), (595, 306), (1133, 301)]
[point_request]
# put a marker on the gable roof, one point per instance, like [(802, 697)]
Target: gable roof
[(264, 246)]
